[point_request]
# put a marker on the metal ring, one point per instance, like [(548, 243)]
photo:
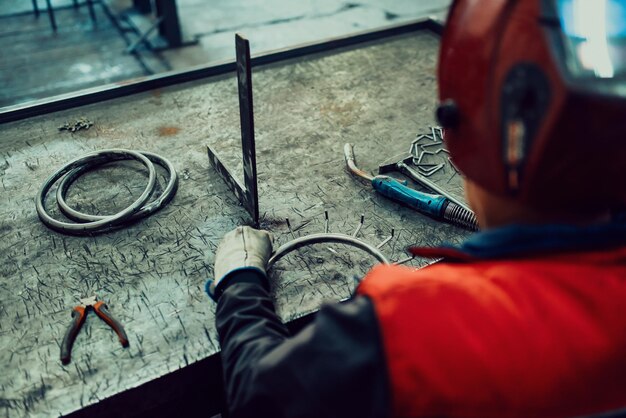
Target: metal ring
[(325, 238), (107, 222), (164, 198)]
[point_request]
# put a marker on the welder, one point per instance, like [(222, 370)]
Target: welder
[(527, 318)]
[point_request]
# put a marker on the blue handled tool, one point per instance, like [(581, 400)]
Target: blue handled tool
[(429, 204), (436, 206)]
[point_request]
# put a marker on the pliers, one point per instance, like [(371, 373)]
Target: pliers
[(79, 314)]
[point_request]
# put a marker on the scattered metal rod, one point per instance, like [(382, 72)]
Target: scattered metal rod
[(425, 169), (326, 222), (420, 177), (389, 238), (403, 261), (432, 129), (417, 144), (326, 228), (440, 130), (290, 230), (421, 157), (453, 165), (359, 226), (302, 225), (419, 138), (429, 172)]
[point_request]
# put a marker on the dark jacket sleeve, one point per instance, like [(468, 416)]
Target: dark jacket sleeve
[(334, 367)]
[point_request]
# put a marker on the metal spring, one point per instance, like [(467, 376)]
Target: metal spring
[(460, 216)]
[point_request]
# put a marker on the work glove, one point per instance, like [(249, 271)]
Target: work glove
[(243, 248)]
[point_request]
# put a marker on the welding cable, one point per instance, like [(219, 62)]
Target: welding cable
[(325, 238), (101, 224), (163, 199), (348, 153)]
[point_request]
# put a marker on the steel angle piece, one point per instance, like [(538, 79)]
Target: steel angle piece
[(246, 193)]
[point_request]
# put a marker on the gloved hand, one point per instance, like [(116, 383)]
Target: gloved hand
[(242, 248)]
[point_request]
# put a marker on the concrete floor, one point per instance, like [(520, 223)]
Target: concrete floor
[(277, 24), (270, 24), (36, 62)]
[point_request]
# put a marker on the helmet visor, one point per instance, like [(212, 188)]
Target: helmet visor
[(595, 37)]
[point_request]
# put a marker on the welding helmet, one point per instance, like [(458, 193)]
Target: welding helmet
[(533, 99)]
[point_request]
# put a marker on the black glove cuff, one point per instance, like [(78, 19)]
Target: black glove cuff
[(252, 275)]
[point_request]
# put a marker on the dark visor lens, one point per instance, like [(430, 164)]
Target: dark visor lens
[(595, 37)]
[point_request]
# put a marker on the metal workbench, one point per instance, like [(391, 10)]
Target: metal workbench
[(377, 92)]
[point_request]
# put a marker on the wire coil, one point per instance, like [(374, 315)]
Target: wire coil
[(86, 224)]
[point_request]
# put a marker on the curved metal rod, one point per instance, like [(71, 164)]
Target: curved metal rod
[(163, 199), (102, 224), (325, 238), (348, 153)]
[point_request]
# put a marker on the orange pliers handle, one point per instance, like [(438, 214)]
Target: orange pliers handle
[(103, 313), (79, 314)]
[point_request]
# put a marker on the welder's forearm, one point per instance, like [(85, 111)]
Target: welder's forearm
[(245, 314), (269, 373), (248, 329)]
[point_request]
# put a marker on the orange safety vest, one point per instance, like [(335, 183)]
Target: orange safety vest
[(540, 337)]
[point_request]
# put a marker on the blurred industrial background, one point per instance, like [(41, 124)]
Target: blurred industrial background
[(52, 47)]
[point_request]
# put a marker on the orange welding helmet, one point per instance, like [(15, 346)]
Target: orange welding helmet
[(533, 99)]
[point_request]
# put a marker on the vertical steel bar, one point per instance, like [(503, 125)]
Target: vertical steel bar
[(246, 116)]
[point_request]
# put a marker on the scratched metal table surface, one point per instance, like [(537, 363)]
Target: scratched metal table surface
[(377, 96)]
